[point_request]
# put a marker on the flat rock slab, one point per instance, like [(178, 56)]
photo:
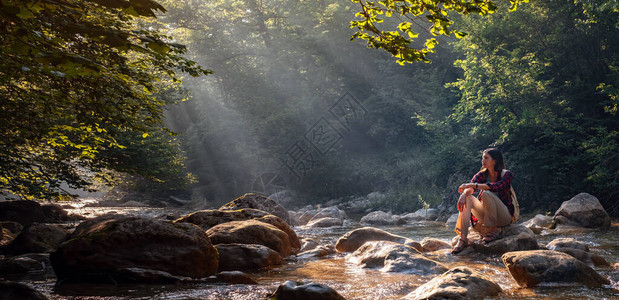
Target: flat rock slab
[(531, 268), (516, 237), (393, 257), (457, 283), (354, 239)]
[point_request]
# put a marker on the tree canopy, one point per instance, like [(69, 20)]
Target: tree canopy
[(414, 16), (75, 76)]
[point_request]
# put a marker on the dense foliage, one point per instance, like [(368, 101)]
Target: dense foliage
[(77, 77), (295, 105)]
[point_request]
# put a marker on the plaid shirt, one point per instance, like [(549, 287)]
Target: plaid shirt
[(502, 187)]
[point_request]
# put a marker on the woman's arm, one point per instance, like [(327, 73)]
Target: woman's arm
[(506, 181), (469, 188)]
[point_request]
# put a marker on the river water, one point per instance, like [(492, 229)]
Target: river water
[(350, 280)]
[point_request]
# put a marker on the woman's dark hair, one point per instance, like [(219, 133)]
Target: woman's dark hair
[(498, 158)]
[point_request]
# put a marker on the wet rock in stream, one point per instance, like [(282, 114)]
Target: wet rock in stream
[(559, 243), (104, 247), (251, 232), (37, 238), (235, 277), (531, 268), (207, 219), (538, 223), (291, 290), (393, 257), (26, 265), (578, 250), (318, 252), (354, 239), (309, 244), (258, 201), (429, 244), (457, 283), (515, 237), (233, 257)]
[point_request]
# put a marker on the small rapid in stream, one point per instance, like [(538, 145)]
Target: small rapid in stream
[(351, 281)]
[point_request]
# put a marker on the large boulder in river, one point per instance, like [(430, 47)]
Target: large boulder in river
[(258, 201), (107, 246), (381, 218), (241, 257), (457, 283), (291, 290), (394, 257), (209, 218), (251, 232), (584, 210), (516, 237), (24, 212), (530, 268), (354, 239), (37, 238)]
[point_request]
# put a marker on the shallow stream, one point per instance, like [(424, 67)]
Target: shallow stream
[(350, 280)]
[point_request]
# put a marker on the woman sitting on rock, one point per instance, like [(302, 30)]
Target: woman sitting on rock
[(493, 207)]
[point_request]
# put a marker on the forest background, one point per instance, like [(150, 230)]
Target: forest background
[(292, 101)]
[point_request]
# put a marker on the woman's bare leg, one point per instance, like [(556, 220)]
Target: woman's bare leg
[(473, 205)]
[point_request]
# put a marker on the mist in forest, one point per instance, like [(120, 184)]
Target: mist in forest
[(296, 109)]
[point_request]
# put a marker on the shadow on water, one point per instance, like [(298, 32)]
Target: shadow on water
[(354, 282)]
